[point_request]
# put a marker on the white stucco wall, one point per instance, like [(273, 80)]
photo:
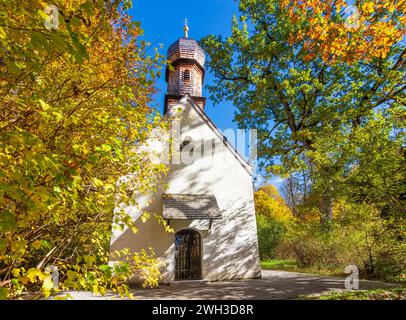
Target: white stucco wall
[(229, 247)]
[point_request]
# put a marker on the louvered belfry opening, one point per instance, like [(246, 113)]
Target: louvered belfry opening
[(188, 255), (186, 75)]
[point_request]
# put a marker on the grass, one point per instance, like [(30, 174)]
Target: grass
[(377, 294), (276, 264), (291, 265)]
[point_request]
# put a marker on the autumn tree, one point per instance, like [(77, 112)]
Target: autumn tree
[(338, 31), (291, 69), (296, 189), (268, 202), (75, 85), (273, 216)]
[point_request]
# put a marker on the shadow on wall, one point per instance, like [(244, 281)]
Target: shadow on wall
[(232, 251), (229, 247), (152, 234)]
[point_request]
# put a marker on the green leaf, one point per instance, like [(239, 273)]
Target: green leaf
[(87, 7), (76, 148), (80, 52), (107, 270), (3, 246), (90, 260), (8, 221), (3, 293), (106, 147), (39, 40)]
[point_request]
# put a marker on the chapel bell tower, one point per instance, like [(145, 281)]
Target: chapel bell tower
[(186, 74)]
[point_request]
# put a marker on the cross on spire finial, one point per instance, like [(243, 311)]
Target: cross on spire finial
[(186, 28)]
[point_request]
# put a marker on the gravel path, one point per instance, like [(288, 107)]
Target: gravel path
[(272, 285)]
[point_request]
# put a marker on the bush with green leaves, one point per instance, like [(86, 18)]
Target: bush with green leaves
[(270, 233), (359, 236), (75, 111)]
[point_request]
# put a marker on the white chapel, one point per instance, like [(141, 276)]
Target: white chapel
[(208, 201)]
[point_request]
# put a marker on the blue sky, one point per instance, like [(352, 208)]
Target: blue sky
[(163, 20)]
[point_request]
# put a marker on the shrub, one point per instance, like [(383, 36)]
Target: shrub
[(375, 244), (359, 236), (309, 244), (75, 112), (272, 217), (270, 233)]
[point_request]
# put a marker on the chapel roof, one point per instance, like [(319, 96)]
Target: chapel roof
[(190, 206), (186, 48), (245, 163)]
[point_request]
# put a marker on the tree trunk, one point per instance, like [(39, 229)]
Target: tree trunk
[(326, 208)]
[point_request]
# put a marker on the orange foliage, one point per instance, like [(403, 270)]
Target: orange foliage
[(268, 202), (368, 32)]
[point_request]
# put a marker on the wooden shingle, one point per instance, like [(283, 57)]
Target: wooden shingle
[(190, 206)]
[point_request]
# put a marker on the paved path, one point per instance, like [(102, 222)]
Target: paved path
[(272, 285)]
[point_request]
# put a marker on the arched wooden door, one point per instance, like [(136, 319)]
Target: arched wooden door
[(188, 265)]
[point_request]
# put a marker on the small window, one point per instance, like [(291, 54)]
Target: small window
[(186, 75), (186, 145)]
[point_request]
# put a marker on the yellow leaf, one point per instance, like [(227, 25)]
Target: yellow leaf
[(368, 7), (48, 284), (90, 259), (35, 273), (58, 116), (45, 106), (37, 244), (97, 182), (16, 272), (44, 196), (65, 297), (2, 33)]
